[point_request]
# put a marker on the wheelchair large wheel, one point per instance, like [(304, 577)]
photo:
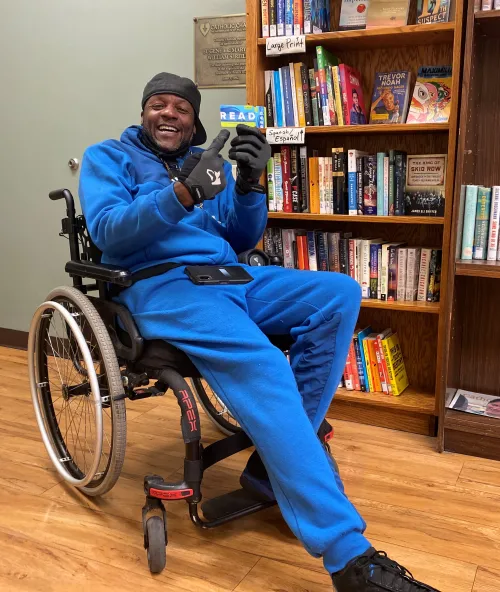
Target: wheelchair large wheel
[(217, 412), (75, 381)]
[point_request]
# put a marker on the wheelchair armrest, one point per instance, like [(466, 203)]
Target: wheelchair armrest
[(100, 272)]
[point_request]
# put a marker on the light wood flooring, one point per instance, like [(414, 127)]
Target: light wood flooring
[(439, 515)]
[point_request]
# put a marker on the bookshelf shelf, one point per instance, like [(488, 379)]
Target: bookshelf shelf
[(422, 336), (344, 218), (396, 128), (488, 22), (383, 37), (488, 269)]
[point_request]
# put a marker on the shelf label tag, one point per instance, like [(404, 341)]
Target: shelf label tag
[(285, 135), (276, 46)]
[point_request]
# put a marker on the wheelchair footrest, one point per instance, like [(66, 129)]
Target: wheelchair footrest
[(237, 503)]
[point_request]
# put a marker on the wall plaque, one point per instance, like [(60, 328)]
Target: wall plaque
[(220, 51)]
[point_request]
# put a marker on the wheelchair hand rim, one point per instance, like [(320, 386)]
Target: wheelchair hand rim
[(33, 344)]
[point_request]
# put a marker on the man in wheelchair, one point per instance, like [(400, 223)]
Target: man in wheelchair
[(154, 201)]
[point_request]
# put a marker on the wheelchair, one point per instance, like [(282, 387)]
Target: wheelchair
[(86, 357)]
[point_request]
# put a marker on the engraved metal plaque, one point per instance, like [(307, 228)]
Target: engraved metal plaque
[(220, 51)]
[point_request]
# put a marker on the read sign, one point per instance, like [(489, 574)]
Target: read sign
[(285, 135), (276, 46)]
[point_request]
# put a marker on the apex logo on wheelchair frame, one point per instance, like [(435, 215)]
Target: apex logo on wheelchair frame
[(190, 413)]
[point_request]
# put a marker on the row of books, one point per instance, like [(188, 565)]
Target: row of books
[(375, 363), (479, 220), (354, 182), (331, 93), (387, 271), (298, 17), (484, 5)]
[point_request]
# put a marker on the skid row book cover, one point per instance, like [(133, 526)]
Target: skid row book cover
[(425, 185)]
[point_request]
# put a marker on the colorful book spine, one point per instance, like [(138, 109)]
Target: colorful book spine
[(360, 189), (278, 182), (280, 17), (412, 273), (386, 385), (268, 81), (401, 282), (279, 111), (287, 96), (311, 249), (399, 184), (434, 276), (270, 186), (367, 364), (373, 270), (314, 98), (301, 113), (286, 179), (352, 181), (338, 95), (294, 178), (295, 105), (395, 364), (494, 223), (314, 184), (423, 275), (392, 180), (304, 179), (359, 362), (386, 186), (321, 169), (379, 273), (365, 268), (377, 383), (273, 30), (322, 65), (288, 17), (380, 183), (483, 207), (298, 17), (393, 274), (264, 5), (469, 221), (306, 95), (370, 185)]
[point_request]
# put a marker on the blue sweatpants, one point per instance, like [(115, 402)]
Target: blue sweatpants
[(279, 405)]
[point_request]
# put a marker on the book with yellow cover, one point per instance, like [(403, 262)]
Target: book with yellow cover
[(370, 340), (369, 374), (395, 364)]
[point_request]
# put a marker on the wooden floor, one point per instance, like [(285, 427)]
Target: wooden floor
[(439, 515)]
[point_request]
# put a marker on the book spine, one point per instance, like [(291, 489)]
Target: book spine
[(399, 185), (278, 241), (338, 95), (386, 186), (370, 185), (373, 270), (319, 96), (359, 364), (288, 18), (311, 249), (460, 224), (307, 17), (423, 276), (293, 86), (287, 96), (298, 17), (412, 270), (306, 95), (314, 99), (278, 182), (351, 183), (271, 203), (322, 249), (380, 368), (380, 183), (348, 375), (322, 64), (304, 179), (354, 367), (395, 363), (265, 17), (331, 95), (379, 273), (401, 284), (392, 189), (390, 372), (393, 274), (436, 292), (365, 268), (469, 221), (268, 243), (352, 258), (329, 184), (299, 95), (288, 261), (287, 188), (367, 365), (482, 223), (314, 184), (360, 189), (383, 363), (294, 177), (343, 89), (280, 17), (377, 383), (321, 168), (432, 275), (494, 222), (384, 272), (273, 31), (343, 255), (268, 77), (278, 113)]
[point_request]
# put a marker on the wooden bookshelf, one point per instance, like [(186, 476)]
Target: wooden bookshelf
[(422, 333), (382, 38), (472, 342)]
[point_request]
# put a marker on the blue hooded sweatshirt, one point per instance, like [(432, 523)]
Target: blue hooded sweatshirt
[(136, 220)]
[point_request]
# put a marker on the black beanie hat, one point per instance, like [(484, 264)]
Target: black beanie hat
[(171, 84)]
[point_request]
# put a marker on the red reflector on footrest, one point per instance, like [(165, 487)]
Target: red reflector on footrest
[(329, 436), (175, 494)]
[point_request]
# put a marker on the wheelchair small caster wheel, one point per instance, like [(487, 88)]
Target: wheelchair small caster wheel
[(157, 551)]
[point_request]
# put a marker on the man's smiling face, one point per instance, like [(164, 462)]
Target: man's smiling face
[(169, 121)]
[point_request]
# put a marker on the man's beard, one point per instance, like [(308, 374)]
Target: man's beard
[(160, 152)]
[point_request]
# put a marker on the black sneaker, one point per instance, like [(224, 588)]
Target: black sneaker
[(374, 571)]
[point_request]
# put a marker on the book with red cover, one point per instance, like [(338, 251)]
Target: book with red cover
[(352, 96), (302, 252), (286, 173)]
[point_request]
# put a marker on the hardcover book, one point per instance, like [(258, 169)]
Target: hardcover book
[(432, 11), (431, 101), (391, 93), (353, 14), (387, 13), (352, 95), (425, 185)]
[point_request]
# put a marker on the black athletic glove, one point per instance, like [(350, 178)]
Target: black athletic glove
[(203, 173), (251, 151)]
